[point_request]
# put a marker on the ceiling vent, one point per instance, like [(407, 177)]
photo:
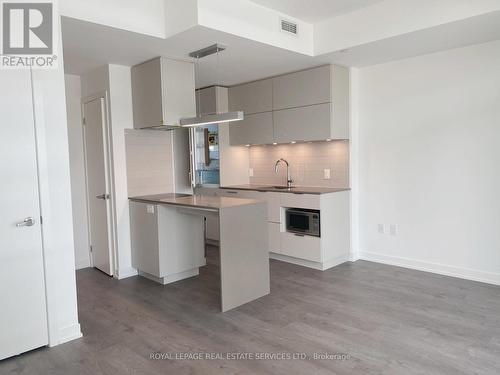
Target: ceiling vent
[(289, 27)]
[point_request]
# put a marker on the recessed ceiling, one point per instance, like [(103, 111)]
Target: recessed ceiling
[(313, 11), (88, 45)]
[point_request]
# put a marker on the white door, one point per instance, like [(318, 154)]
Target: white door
[(99, 204), (23, 314)]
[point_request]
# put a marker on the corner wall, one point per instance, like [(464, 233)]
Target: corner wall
[(429, 129), (116, 81), (77, 170)]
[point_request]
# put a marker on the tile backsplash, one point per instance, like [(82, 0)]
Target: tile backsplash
[(307, 164)]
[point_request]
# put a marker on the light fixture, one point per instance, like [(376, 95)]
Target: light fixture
[(328, 140), (215, 118), (293, 142), (247, 145), (274, 143)]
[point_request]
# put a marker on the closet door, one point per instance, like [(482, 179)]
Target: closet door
[(23, 319)]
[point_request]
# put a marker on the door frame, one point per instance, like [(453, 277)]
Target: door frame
[(108, 169)]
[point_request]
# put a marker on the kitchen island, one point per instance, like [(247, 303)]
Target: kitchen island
[(168, 242)]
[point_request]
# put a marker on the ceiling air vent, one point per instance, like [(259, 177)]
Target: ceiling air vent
[(288, 27)]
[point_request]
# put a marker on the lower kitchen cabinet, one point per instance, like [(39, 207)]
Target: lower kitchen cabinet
[(329, 250), (300, 246), (167, 242), (274, 232)]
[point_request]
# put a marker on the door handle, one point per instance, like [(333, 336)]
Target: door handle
[(102, 196), (28, 222)]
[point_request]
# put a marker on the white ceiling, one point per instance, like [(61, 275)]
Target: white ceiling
[(88, 45), (313, 11)]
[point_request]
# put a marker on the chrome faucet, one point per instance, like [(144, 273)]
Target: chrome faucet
[(288, 179)]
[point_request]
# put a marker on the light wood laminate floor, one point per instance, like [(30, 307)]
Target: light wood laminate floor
[(389, 320)]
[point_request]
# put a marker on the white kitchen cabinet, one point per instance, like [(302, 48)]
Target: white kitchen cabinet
[(253, 129), (253, 97), (310, 201), (309, 123), (210, 100), (302, 247), (162, 92), (310, 105), (167, 242), (302, 88), (273, 206), (274, 232)]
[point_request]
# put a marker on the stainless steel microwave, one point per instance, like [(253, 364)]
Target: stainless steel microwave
[(303, 221)]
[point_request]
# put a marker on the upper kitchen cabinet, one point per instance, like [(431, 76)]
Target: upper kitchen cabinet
[(210, 100), (163, 92), (294, 93), (256, 128), (309, 123), (253, 97), (303, 88), (309, 105)]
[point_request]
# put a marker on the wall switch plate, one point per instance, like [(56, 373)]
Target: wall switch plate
[(250, 172), (393, 229), (381, 228), (326, 174), (150, 209)]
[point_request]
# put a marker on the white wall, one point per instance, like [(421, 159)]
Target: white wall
[(429, 133), (77, 170), (116, 81), (120, 96)]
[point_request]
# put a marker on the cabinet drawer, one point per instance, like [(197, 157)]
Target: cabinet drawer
[(310, 201), (274, 238), (253, 129), (311, 123), (303, 247), (246, 194)]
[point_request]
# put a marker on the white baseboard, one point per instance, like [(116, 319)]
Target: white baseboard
[(123, 273), (308, 263), (68, 333), (441, 269), (171, 278)]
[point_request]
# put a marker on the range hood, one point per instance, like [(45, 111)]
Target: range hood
[(216, 118), (164, 95)]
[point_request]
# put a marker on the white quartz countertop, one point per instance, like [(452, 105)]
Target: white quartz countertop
[(196, 201)]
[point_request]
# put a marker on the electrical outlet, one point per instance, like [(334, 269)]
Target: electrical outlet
[(150, 209), (250, 172), (381, 228), (326, 174), (393, 229)]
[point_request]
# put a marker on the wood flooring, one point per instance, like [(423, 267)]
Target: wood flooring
[(377, 319)]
